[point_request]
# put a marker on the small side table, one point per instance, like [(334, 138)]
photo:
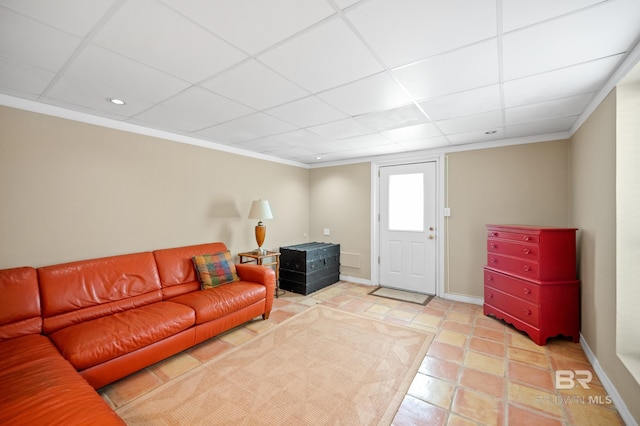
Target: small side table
[(259, 258)]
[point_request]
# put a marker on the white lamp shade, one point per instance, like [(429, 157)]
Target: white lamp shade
[(260, 209)]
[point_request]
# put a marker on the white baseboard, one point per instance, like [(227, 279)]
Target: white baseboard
[(608, 385), (355, 280), (462, 298)]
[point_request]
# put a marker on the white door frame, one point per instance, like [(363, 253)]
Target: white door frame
[(440, 223)]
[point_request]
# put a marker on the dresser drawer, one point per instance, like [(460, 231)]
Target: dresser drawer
[(523, 250), (514, 286), (513, 265), (514, 236), (524, 311)]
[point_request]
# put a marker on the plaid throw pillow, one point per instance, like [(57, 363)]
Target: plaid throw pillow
[(215, 269)]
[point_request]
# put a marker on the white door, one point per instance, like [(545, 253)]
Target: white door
[(408, 227)]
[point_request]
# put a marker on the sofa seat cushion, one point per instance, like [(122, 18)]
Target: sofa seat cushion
[(49, 391), (94, 342), (20, 350), (214, 303)]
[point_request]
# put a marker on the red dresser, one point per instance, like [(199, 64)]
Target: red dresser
[(530, 280)]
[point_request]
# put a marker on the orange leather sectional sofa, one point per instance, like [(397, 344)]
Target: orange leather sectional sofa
[(66, 330)]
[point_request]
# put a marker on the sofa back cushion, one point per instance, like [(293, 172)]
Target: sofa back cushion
[(19, 303), (177, 272), (88, 289)]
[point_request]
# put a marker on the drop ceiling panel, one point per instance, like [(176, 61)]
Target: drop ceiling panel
[(407, 115), (203, 104), (450, 72), (368, 151), (323, 57), (325, 147), (23, 80), (575, 38), (553, 125), (343, 4), (33, 43), (403, 31), (255, 85), (376, 93), (123, 75), (299, 137), (476, 136), (147, 31), (305, 139), (410, 133), (546, 110), (341, 129), (464, 103), (521, 13), (293, 153), (488, 120), (365, 141), (245, 128), (421, 144), (93, 99), (265, 145), (254, 25), (576, 80), (307, 112), (86, 14), (169, 119)]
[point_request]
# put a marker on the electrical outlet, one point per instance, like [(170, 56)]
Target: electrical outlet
[(326, 231)]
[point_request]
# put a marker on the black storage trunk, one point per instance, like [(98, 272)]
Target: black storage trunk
[(305, 268)]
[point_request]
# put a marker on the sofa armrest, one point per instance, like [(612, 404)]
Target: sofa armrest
[(262, 275), (256, 273)]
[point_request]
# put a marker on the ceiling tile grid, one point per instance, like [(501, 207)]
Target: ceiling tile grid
[(317, 81)]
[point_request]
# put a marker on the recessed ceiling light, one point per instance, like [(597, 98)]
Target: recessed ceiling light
[(117, 101), (490, 132), (318, 158)]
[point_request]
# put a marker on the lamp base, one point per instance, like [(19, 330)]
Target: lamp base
[(261, 233)]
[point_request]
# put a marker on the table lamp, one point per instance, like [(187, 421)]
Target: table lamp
[(260, 210)]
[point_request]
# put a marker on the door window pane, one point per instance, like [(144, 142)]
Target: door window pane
[(406, 202)]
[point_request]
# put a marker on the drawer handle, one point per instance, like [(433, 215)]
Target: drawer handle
[(493, 234), (492, 246), (527, 251), (489, 278), (494, 260), (490, 296), (527, 268), (527, 238), (527, 312), (527, 291)]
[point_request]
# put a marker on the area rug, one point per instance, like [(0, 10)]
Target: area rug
[(405, 296), (320, 367)]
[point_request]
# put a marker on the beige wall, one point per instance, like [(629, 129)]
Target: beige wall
[(522, 184), (592, 209), (73, 191), (340, 199)]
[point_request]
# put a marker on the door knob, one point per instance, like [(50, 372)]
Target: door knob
[(431, 237)]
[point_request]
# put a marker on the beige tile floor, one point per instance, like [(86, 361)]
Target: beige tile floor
[(477, 371)]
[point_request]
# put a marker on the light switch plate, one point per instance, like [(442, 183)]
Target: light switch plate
[(326, 231)]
